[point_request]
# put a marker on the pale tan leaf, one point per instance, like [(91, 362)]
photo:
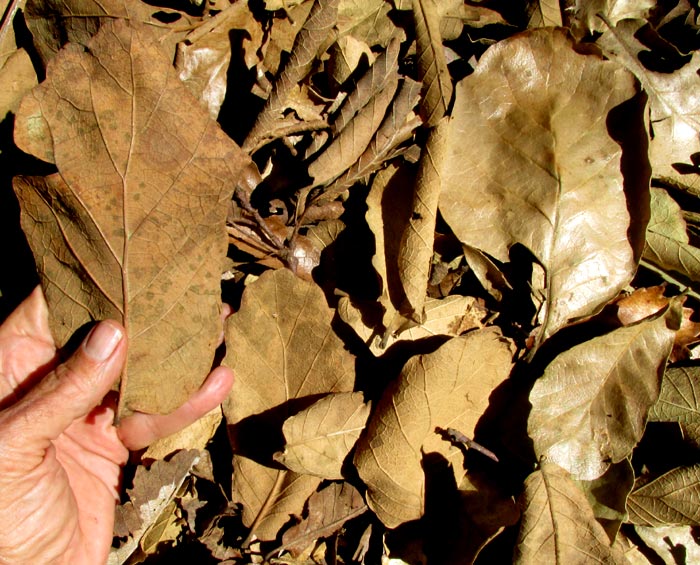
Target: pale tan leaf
[(319, 438), (270, 497), (312, 35), (543, 170), (545, 13), (674, 109), (367, 21), (345, 56), (203, 58), (166, 529), (447, 388), (416, 251), (592, 14), (590, 406), (558, 525), (432, 64), (328, 510), (449, 316), (17, 75), (667, 243), (195, 436), (284, 352), (673, 499), (488, 273), (283, 33), (132, 226), (668, 543)]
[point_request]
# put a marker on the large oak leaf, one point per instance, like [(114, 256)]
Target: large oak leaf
[(447, 388), (544, 170), (132, 225)]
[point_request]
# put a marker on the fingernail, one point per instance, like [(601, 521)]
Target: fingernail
[(102, 341)]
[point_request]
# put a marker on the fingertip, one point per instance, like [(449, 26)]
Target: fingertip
[(218, 383)]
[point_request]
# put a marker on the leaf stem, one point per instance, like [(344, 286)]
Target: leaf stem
[(670, 278), (269, 501)]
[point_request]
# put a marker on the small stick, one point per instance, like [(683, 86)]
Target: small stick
[(459, 437)]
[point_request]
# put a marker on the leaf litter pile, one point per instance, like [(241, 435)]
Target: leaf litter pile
[(460, 240)]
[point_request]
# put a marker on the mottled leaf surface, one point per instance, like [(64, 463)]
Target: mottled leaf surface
[(132, 225), (543, 170)]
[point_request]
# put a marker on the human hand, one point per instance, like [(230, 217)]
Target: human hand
[(60, 454)]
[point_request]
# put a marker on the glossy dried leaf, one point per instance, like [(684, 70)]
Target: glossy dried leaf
[(590, 406), (447, 388), (319, 438), (672, 499), (432, 64), (668, 244), (558, 525), (328, 510), (544, 171), (132, 225), (674, 107)]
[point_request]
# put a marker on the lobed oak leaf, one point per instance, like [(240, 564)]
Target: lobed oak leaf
[(132, 225)]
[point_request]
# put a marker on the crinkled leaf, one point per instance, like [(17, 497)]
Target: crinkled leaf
[(319, 438), (432, 64), (558, 525), (132, 225), (328, 510), (416, 251), (668, 245), (674, 108), (590, 406), (447, 388), (543, 169), (672, 499)]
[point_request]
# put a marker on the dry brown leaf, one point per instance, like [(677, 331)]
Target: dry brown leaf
[(590, 406), (284, 352), (202, 58), (345, 55), (558, 525), (366, 20), (53, 23), (17, 77), (447, 388), (283, 34), (416, 250), (313, 34), (544, 13), (131, 226), (668, 543), (679, 401), (674, 115), (328, 510), (432, 64), (153, 490), (397, 127), (449, 316), (355, 136), (544, 171), (195, 436), (320, 437), (591, 14), (673, 499)]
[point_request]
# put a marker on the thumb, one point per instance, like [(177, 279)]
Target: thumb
[(71, 390)]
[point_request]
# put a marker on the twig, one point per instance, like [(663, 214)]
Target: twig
[(459, 437), (7, 18)]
